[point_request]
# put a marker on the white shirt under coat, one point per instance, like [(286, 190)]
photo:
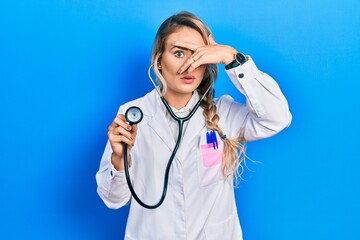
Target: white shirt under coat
[(200, 203)]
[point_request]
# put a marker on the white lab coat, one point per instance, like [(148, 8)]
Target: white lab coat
[(200, 203)]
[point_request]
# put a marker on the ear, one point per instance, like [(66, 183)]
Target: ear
[(159, 65)]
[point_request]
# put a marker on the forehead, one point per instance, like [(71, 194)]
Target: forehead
[(185, 34)]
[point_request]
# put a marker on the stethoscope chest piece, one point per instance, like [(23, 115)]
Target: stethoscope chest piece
[(133, 115)]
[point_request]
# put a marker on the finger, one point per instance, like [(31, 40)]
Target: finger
[(113, 125), (121, 116), (124, 139), (200, 59), (196, 60), (120, 139), (113, 135), (134, 130), (133, 135), (187, 45), (121, 131), (118, 121), (186, 65), (199, 53), (193, 66), (114, 139), (121, 121)]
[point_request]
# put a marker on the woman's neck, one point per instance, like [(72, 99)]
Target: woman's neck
[(178, 100)]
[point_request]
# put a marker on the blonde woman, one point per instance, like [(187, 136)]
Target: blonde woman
[(200, 201)]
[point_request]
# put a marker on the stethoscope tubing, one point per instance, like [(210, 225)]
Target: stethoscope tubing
[(180, 121)]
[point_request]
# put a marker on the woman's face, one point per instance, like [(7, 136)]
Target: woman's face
[(173, 57)]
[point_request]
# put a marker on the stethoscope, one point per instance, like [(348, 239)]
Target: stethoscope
[(134, 115)]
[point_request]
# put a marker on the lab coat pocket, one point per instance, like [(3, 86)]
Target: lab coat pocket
[(210, 164), (211, 156), (228, 229)]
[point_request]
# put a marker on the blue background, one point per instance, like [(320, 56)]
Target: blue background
[(66, 66)]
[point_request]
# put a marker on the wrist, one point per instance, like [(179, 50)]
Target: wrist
[(229, 56), (117, 161)]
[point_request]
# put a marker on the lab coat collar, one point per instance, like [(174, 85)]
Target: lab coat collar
[(188, 107), (158, 122)]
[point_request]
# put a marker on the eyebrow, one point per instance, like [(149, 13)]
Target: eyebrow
[(182, 48)]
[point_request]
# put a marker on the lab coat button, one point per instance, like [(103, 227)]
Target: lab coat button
[(241, 75), (111, 173)]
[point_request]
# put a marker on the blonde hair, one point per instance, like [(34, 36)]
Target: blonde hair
[(234, 149)]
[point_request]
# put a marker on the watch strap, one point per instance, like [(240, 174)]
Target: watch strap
[(240, 59)]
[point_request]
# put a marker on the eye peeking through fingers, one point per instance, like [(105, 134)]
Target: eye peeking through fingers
[(179, 54)]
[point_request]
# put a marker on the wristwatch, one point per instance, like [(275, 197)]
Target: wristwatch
[(240, 59)]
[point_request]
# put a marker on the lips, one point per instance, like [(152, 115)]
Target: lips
[(188, 79)]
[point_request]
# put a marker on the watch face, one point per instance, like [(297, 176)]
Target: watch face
[(241, 58)]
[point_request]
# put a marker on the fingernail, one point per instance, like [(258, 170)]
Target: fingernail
[(128, 127)]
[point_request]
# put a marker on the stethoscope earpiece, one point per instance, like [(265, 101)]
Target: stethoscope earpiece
[(133, 115)]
